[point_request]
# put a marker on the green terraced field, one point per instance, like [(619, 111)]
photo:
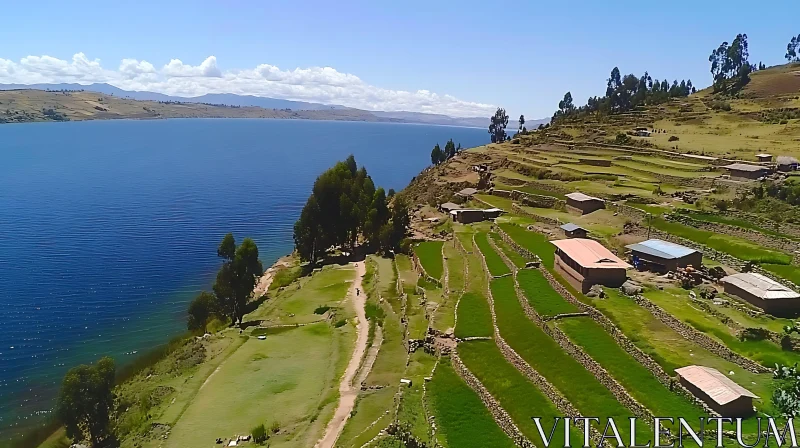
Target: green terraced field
[(515, 393), (474, 316), (460, 415), (494, 262), (430, 255), (546, 356), (542, 297), (534, 242)]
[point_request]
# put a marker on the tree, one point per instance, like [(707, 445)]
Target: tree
[(450, 149), (730, 68), (86, 401), (200, 311), (343, 206), (521, 123), (497, 128), (792, 50), (458, 149), (437, 155), (237, 276), (394, 231), (566, 106)]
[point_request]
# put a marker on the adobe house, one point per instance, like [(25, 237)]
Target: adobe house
[(585, 263), (764, 158), (467, 216), (447, 207), (786, 163), (763, 292), (663, 256), (467, 193), (574, 231), (718, 391), (583, 203), (746, 171)]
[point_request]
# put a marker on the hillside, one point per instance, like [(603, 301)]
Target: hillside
[(276, 108), (19, 106)]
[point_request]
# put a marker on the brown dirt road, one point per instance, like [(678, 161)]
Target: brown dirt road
[(347, 390)]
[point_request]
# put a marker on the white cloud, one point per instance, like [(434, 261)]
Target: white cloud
[(313, 84), (208, 68)]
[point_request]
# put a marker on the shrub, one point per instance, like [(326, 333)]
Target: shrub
[(753, 334), (274, 427), (374, 312), (321, 309), (673, 138), (622, 139), (259, 434), (340, 323)]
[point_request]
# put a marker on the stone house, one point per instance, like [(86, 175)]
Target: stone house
[(585, 263)]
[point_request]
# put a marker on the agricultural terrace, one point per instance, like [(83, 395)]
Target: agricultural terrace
[(430, 255), (497, 267)]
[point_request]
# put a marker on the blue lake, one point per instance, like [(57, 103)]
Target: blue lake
[(108, 228)]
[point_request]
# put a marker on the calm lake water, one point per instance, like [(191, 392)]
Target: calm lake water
[(108, 228)]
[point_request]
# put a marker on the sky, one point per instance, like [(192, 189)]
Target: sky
[(459, 58)]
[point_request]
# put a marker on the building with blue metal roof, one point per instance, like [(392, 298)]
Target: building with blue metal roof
[(663, 256)]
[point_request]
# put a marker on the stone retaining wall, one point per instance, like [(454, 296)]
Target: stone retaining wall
[(526, 254), (499, 414), (519, 210), (417, 265), (634, 213), (771, 241), (584, 359), (698, 337), (563, 405), (785, 227), (626, 344), (537, 200)]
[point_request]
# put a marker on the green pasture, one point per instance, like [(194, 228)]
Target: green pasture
[(430, 255), (494, 262), (542, 297)]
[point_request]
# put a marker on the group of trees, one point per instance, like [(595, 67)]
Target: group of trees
[(788, 192), (730, 68), (232, 288), (792, 48), (497, 127), (450, 150), (623, 93), (344, 206)]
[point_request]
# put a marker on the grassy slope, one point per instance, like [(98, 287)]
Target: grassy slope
[(463, 419), (676, 302), (269, 381)]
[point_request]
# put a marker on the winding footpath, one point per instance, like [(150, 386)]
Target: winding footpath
[(347, 390)]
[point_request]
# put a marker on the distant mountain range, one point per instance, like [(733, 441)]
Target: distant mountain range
[(231, 99)]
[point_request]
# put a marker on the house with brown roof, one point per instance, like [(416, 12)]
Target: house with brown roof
[(718, 391), (585, 263), (583, 203), (746, 171), (763, 292)]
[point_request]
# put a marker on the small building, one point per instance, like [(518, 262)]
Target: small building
[(663, 256), (764, 158), (448, 207), (583, 203), (716, 390), (574, 231), (467, 216), (746, 171), (641, 132), (786, 163), (763, 292), (467, 193), (585, 263)]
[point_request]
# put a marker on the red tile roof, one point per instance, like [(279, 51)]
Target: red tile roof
[(590, 254)]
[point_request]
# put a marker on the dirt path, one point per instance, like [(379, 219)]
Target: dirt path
[(347, 390)]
